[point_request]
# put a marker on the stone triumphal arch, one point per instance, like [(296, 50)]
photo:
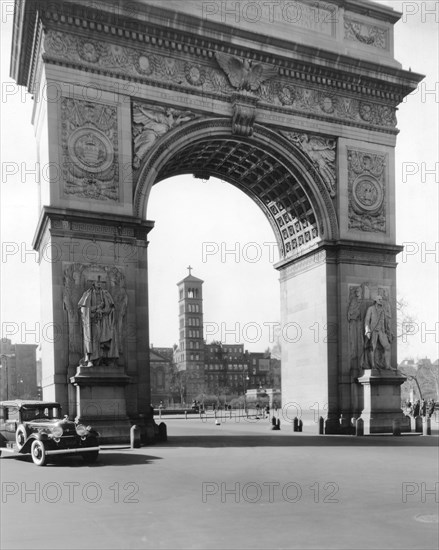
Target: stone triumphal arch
[(295, 104)]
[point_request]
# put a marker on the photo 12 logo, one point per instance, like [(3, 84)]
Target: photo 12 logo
[(53, 492), (254, 492)]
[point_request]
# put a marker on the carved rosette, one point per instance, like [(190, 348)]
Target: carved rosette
[(89, 142), (77, 279), (367, 191)]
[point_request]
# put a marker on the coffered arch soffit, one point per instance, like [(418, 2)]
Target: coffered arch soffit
[(272, 171)]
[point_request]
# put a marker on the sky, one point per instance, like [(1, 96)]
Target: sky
[(220, 232)]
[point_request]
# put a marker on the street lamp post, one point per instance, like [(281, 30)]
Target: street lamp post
[(245, 379)]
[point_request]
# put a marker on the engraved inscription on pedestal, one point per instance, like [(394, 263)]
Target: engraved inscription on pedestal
[(367, 191), (90, 150)]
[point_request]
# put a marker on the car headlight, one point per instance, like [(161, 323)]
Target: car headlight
[(57, 431), (81, 430)]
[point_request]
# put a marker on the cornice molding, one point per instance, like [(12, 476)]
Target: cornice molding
[(341, 76), (350, 74)]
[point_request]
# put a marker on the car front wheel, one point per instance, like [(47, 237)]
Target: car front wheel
[(38, 452), (20, 436)]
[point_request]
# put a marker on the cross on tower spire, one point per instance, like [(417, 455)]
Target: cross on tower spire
[(189, 268)]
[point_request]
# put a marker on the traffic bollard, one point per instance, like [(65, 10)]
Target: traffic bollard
[(135, 437)]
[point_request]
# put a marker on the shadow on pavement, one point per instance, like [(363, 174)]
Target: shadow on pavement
[(301, 440), (106, 458)]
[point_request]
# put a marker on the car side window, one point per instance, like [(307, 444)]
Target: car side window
[(12, 413)]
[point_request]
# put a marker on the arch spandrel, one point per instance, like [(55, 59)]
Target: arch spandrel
[(271, 169)]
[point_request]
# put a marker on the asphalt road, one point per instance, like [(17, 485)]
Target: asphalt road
[(236, 485)]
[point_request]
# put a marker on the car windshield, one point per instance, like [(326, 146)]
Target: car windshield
[(37, 413)]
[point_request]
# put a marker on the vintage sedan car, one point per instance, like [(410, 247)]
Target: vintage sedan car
[(38, 428)]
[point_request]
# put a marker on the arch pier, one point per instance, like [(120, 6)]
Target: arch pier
[(297, 112)]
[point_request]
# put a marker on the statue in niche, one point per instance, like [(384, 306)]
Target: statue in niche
[(369, 347), (98, 325), (377, 331)]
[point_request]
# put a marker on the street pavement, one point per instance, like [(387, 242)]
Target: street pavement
[(233, 485)]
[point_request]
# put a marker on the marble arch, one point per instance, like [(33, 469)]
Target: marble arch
[(266, 166), (296, 108)]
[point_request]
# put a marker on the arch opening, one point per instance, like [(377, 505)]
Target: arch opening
[(271, 171)]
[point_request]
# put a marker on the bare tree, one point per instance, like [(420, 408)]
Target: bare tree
[(406, 322)]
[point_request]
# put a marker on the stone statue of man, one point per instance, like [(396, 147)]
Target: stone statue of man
[(377, 329), (98, 325)]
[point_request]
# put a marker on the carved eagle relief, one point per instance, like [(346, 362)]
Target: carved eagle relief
[(243, 74)]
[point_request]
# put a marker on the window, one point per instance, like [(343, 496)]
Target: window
[(160, 379), (190, 293)]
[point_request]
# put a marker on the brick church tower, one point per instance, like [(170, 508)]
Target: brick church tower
[(190, 357)]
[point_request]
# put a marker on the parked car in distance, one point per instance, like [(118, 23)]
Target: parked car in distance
[(39, 429)]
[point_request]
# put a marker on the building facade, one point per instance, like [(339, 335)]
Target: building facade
[(18, 372), (195, 369)]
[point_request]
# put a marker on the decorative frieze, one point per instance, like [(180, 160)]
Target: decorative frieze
[(277, 88), (89, 145), (367, 191)]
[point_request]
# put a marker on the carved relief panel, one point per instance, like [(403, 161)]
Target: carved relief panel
[(89, 145), (367, 191), (150, 122), (322, 152)]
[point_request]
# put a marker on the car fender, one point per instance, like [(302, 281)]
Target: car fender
[(40, 437)]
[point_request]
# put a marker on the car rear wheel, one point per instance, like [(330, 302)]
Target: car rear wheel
[(90, 457), (20, 436), (38, 452)]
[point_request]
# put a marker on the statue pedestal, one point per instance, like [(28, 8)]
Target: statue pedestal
[(382, 401), (101, 402)]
